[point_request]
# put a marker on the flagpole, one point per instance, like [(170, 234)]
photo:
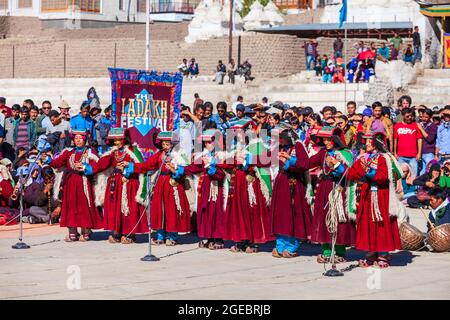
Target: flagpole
[(147, 36), (345, 64)]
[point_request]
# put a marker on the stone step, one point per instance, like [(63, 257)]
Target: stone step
[(444, 82), (416, 89), (437, 73), (430, 100)]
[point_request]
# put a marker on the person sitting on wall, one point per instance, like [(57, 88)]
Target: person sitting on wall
[(193, 68)]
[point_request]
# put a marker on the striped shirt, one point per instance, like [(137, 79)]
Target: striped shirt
[(22, 135)]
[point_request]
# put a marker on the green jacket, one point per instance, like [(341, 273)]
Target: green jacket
[(39, 129), (444, 182)]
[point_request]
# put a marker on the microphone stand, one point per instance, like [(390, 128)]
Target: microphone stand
[(149, 257), (20, 191)]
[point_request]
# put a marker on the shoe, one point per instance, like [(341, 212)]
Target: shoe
[(287, 254), (126, 240), (276, 254), (113, 240)]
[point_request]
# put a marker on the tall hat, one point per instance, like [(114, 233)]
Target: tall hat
[(210, 135), (82, 132), (334, 133), (379, 139), (241, 124), (168, 136), (116, 133)]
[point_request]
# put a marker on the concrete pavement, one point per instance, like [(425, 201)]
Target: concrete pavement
[(53, 269)]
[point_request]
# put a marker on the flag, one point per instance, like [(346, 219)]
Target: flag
[(343, 13)]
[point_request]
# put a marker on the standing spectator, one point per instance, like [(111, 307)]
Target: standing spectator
[(34, 114), (193, 68), (232, 70), (359, 46), (64, 108), (402, 103), (417, 45), (183, 68), (318, 67), (408, 140), (220, 116), (4, 108), (378, 123), (327, 113), (24, 130), (58, 131), (83, 121), (43, 121), (383, 53), (197, 100), (221, 71), (429, 132), (28, 103), (208, 110), (396, 42), (10, 122), (239, 100), (443, 139), (338, 46), (6, 149), (187, 131), (351, 109), (310, 53)]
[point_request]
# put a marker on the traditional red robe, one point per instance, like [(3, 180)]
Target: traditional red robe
[(373, 235), (130, 217), (210, 212), (290, 212), (326, 183), (78, 207), (5, 193), (245, 221), (164, 211)]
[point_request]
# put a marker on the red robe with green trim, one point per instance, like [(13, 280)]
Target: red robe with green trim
[(373, 235)]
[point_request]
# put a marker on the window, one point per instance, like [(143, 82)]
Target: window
[(63, 5), (3, 4), (22, 4)]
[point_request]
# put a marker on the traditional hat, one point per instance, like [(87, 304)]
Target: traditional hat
[(379, 139), (167, 136), (82, 132), (64, 105), (116, 133), (332, 132), (209, 135), (241, 124)]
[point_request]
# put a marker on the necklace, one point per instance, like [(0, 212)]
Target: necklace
[(72, 158), (119, 158)]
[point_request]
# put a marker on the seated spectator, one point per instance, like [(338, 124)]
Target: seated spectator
[(352, 68), (383, 53), (246, 71), (221, 70), (440, 208), (183, 68), (193, 68), (318, 67), (405, 185), (339, 75), (232, 71), (408, 55), (329, 72), (426, 184), (444, 181)]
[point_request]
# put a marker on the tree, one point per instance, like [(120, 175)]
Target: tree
[(248, 3)]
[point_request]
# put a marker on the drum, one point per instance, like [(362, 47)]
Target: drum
[(411, 238), (439, 238)]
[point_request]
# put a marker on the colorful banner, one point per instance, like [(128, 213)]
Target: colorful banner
[(145, 103), (447, 50)]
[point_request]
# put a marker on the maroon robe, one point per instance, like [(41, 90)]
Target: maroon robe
[(373, 236), (76, 209), (242, 220), (290, 212), (210, 214), (114, 218), (5, 193), (164, 213), (326, 183)]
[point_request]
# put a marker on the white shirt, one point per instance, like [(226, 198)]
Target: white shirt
[(187, 134)]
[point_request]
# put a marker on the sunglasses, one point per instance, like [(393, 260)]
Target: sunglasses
[(46, 108)]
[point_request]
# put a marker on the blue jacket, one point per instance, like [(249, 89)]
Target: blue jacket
[(31, 128), (79, 123), (442, 216)]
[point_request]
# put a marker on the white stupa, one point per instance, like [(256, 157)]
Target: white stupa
[(272, 14), (255, 18), (195, 28), (213, 21), (237, 20)]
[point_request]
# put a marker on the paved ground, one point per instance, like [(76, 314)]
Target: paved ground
[(49, 271)]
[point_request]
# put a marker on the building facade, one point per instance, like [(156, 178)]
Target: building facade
[(98, 13)]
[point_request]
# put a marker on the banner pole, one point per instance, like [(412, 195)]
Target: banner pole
[(147, 36)]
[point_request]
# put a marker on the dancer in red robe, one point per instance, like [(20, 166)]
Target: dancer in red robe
[(211, 201), (376, 227), (247, 218), (290, 211), (169, 210), (334, 161), (124, 212), (78, 207)]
